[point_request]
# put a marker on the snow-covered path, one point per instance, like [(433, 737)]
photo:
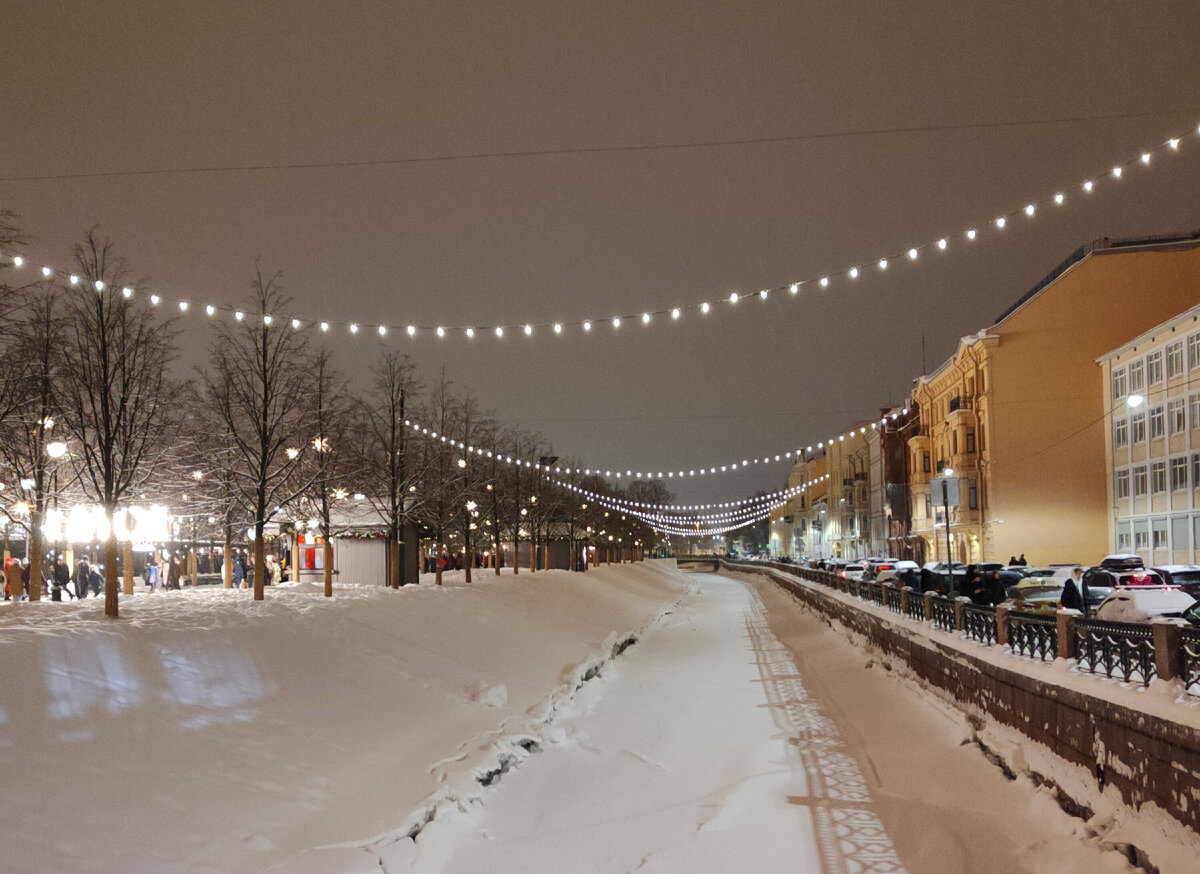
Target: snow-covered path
[(698, 750)]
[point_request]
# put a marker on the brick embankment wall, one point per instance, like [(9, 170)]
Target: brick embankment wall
[(1147, 758)]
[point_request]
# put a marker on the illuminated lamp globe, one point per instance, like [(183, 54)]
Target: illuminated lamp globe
[(56, 449)]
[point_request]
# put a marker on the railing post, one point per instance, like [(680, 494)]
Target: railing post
[(905, 594), (928, 596), (959, 612), (1168, 648), (1001, 625), (1065, 625)]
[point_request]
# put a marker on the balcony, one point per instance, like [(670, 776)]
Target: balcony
[(961, 402)]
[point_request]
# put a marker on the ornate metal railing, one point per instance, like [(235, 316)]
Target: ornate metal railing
[(980, 623), (894, 599), (1115, 648), (1033, 635), (916, 606), (1190, 658), (943, 613), (876, 593)]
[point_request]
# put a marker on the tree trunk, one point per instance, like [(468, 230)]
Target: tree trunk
[(227, 564), (193, 566), (469, 552), (328, 568), (260, 565), (394, 568), (35, 557), (127, 567), (111, 589)]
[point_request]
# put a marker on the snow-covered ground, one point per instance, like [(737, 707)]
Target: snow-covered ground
[(206, 732)]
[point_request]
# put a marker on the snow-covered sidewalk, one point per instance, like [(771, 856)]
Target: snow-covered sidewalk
[(698, 750)]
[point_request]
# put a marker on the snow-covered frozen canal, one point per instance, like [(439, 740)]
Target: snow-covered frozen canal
[(698, 750), (743, 734)]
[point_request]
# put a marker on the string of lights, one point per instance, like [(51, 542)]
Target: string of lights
[(881, 264)]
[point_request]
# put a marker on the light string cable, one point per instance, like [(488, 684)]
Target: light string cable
[(878, 264)]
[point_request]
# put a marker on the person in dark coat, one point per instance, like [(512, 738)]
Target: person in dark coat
[(977, 589), (1012, 561), (1074, 596), (1021, 561), (239, 571), (926, 580), (95, 579), (173, 572), (62, 575)]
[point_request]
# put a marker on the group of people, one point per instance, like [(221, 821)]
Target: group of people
[(243, 570), (87, 577)]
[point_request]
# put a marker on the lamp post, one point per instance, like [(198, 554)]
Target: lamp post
[(947, 473)]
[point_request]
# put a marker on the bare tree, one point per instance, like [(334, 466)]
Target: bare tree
[(258, 388), (393, 465), (116, 398), (442, 485), (30, 410)]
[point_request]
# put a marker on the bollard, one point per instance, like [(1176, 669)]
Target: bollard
[(1001, 625), (1065, 626), (1168, 647)]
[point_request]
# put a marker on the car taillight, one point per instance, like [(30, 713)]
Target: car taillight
[(842, 574)]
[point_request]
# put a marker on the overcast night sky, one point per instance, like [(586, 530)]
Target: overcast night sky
[(596, 159)]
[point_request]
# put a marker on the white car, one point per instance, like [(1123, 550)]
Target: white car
[(897, 568), (853, 572), (1143, 603)]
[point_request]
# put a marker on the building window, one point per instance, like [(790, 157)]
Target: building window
[(1196, 470), (1121, 484), (1139, 481), (1137, 427), (928, 506), (1158, 477), (1179, 474), (1141, 534), (1154, 368), (1122, 541), (1159, 531), (1175, 360), (1120, 433), (1176, 416), (1157, 422), (1137, 376), (1118, 384), (1194, 413), (972, 495), (1194, 351), (970, 440), (925, 461)]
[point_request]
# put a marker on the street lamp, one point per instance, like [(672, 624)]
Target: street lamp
[(947, 473)]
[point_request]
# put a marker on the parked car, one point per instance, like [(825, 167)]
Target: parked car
[(1141, 604), (877, 566), (896, 568), (937, 570), (1184, 576), (853, 571), (1035, 595), (1102, 577)]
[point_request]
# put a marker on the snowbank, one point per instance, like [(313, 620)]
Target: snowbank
[(205, 731)]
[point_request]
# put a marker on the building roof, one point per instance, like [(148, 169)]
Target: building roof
[(1103, 246)]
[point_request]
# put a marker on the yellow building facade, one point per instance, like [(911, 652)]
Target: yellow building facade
[(1019, 411)]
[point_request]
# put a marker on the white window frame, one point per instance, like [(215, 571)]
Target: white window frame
[(1154, 368), (1179, 473), (1175, 359), (1121, 484), (1158, 422), (1176, 416), (1137, 376), (1118, 383), (1158, 477), (1120, 433)]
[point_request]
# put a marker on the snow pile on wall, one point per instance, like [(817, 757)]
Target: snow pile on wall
[(206, 731)]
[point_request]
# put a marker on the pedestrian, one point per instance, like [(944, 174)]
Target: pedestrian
[(1012, 561), (62, 575), (152, 572), (977, 589), (173, 572), (14, 586), (239, 571), (996, 588), (81, 578), (1074, 595), (96, 579), (1021, 561), (272, 571)]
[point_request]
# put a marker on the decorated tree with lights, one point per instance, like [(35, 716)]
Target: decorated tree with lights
[(258, 387), (118, 404), (469, 426), (391, 464), (336, 457)]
